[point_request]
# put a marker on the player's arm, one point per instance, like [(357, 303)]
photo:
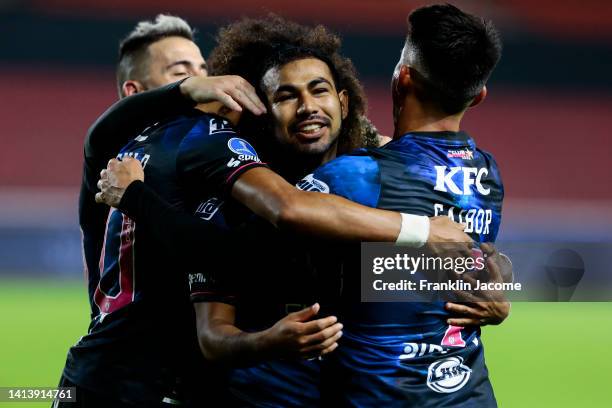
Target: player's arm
[(327, 215), (295, 336), (271, 197), (123, 120)]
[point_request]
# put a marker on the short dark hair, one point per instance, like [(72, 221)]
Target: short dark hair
[(250, 47), (133, 48), (453, 54)]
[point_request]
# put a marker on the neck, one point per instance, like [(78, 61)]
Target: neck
[(414, 116)]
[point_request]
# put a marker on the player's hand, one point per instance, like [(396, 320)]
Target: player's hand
[(447, 239), (117, 176), (484, 306), (232, 91), (296, 335)]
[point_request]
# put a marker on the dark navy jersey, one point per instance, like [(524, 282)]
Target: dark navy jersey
[(143, 330), (422, 173), (111, 131), (268, 274)]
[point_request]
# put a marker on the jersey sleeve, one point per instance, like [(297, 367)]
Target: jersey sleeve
[(123, 121), (356, 178), (199, 246), (214, 156)]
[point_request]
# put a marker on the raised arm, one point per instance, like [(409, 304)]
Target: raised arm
[(129, 116)]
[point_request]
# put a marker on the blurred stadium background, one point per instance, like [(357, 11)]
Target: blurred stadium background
[(547, 119)]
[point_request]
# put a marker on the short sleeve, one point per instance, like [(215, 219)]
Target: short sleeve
[(356, 178), (212, 154)]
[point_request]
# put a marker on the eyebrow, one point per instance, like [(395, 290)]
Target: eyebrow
[(311, 84)]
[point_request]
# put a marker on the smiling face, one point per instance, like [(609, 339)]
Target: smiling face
[(306, 107)]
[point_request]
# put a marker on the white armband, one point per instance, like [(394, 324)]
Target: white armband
[(414, 231)]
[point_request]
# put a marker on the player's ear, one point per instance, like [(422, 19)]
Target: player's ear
[(404, 79), (344, 103), (480, 97), (131, 87), (398, 83)]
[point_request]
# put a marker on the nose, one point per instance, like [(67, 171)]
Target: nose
[(308, 105)]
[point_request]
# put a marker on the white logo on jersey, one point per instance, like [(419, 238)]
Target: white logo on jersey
[(218, 125), (142, 158), (233, 163), (476, 220), (448, 375), (196, 278), (412, 350), (471, 176), (208, 208), (309, 183)]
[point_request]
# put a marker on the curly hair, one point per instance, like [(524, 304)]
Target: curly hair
[(250, 47)]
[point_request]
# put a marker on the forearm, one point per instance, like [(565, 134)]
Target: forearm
[(322, 215), (337, 218), (225, 343), (123, 120)]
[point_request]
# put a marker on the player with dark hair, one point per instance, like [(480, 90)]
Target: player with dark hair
[(275, 87), (131, 295), (117, 362), (407, 354)]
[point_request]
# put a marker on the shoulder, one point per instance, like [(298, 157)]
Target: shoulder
[(355, 176), (356, 164)]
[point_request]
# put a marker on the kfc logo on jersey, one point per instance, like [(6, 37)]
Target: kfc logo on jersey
[(448, 375), (243, 149), (208, 208), (217, 125), (465, 154), (468, 176), (309, 183)]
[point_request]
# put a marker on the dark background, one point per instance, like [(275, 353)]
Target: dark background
[(546, 119)]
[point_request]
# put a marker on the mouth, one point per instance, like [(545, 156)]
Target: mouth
[(310, 130)]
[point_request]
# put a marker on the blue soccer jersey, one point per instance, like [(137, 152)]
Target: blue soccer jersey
[(405, 354)]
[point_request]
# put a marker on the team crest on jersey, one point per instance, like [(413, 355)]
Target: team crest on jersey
[(465, 154), (448, 375), (207, 209), (243, 149), (309, 183)]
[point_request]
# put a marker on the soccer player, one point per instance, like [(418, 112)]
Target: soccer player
[(113, 365), (406, 354), (284, 83)]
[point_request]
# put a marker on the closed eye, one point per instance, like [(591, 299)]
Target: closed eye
[(284, 97)]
